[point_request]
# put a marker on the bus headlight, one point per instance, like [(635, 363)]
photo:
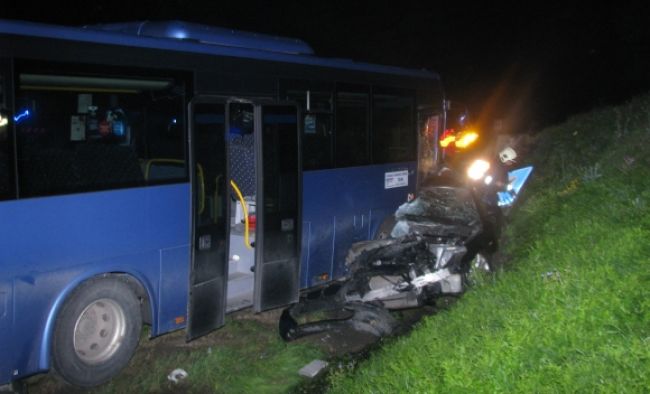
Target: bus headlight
[(478, 169)]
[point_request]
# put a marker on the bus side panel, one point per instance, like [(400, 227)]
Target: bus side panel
[(170, 232), (346, 205), (174, 274), (52, 244), (6, 314)]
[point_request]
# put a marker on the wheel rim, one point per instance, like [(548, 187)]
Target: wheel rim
[(99, 331)]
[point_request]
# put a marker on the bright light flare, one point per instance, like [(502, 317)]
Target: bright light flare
[(478, 169), (465, 139), (460, 140), (447, 138)]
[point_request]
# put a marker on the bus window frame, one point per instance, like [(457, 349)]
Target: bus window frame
[(7, 110), (79, 71)]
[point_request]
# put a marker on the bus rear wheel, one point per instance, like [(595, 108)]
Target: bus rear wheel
[(97, 332)]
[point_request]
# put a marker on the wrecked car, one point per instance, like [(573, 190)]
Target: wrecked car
[(426, 251), (425, 254)]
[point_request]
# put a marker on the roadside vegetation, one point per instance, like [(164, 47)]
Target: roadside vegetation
[(570, 310), (246, 356)]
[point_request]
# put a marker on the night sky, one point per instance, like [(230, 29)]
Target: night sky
[(533, 64)]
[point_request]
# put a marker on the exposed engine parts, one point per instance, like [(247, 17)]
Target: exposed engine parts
[(403, 272), (423, 252), (431, 243)]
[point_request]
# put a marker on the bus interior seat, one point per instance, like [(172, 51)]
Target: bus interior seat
[(84, 168), (48, 171), (107, 165), (159, 169)]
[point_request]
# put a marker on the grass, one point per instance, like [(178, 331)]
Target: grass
[(571, 310), (265, 364), (249, 357)]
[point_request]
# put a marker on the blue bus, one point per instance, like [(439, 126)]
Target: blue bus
[(166, 173)]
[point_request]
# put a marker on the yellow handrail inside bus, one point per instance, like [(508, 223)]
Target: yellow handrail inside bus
[(245, 209)]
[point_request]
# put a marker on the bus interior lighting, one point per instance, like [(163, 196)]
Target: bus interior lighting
[(67, 82), (22, 115)]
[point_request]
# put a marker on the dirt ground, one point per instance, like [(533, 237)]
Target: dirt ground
[(340, 344)]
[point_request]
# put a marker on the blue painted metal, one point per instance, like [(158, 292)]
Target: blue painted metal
[(52, 244), (210, 35), (98, 36), (343, 206)]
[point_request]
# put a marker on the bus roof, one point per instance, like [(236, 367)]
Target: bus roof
[(188, 37)]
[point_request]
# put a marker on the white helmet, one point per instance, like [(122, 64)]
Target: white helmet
[(507, 154)]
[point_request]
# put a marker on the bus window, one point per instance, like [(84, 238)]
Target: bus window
[(317, 127), (281, 182), (393, 136), (351, 141), (317, 141), (6, 156), (209, 130), (81, 132)]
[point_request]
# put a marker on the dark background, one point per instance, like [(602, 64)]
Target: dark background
[(530, 64)]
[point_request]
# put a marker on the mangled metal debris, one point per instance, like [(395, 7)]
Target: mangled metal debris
[(429, 249), (368, 318), (425, 256)]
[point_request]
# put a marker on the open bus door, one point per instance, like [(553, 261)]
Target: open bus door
[(277, 259), (277, 190), (210, 229)]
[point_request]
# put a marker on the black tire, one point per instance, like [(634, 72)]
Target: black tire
[(96, 332)]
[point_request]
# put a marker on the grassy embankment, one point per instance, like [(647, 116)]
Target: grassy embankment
[(571, 310)]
